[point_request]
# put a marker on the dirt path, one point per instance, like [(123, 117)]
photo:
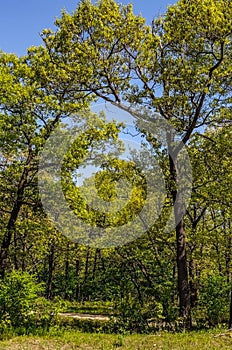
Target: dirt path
[(84, 316)]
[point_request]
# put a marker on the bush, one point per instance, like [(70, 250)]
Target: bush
[(46, 312), (21, 306), (213, 306), (134, 317), (18, 293)]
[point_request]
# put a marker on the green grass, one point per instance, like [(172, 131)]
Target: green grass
[(68, 340)]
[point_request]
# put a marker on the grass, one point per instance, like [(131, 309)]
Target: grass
[(70, 340)]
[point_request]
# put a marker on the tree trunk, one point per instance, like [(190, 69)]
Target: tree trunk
[(50, 270), (97, 254), (66, 274), (228, 250), (77, 292), (181, 255), (183, 285), (193, 284), (229, 277), (4, 252), (230, 320), (16, 263), (84, 292)]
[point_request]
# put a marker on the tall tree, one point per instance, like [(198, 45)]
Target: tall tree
[(180, 67), (32, 104)]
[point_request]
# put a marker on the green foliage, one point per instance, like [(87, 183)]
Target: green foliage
[(46, 313), (134, 317), (213, 308), (18, 294), (180, 67), (6, 329), (22, 309), (90, 307)]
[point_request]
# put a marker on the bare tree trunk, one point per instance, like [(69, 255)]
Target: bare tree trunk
[(77, 292), (50, 270), (4, 252), (230, 320), (66, 275), (183, 285), (229, 276), (86, 265), (228, 250), (86, 274), (16, 264), (181, 254), (97, 254)]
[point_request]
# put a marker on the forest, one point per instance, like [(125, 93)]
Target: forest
[(146, 240)]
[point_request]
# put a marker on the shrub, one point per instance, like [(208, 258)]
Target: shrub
[(134, 317), (18, 293), (213, 306), (22, 308)]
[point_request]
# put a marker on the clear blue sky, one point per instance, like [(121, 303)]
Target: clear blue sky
[(22, 21)]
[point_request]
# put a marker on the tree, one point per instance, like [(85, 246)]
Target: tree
[(179, 67), (32, 104)]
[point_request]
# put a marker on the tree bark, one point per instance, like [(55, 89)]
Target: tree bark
[(230, 320), (77, 291), (181, 254), (183, 284), (229, 276), (97, 254), (4, 252), (50, 270), (66, 273)]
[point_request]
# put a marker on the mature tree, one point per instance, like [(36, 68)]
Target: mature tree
[(32, 104), (180, 67)]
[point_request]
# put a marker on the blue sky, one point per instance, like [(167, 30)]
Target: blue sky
[(22, 21)]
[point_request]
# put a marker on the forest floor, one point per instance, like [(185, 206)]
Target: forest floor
[(70, 340)]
